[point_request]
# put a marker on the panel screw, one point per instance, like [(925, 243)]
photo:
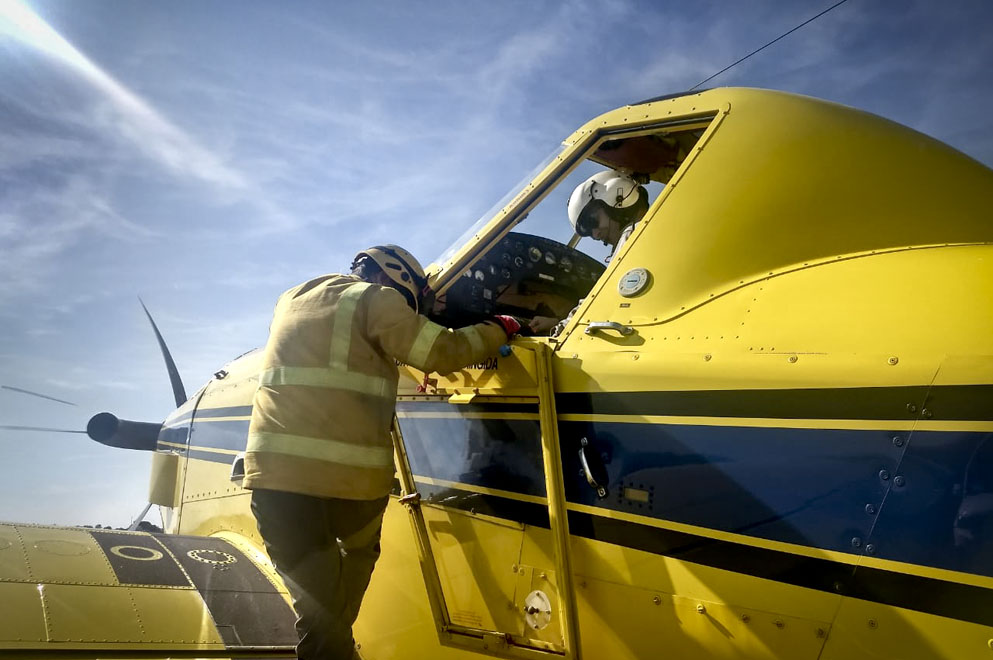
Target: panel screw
[(926, 414), (884, 475), (893, 360), (707, 357), (870, 509), (870, 549), (745, 618), (513, 569), (898, 441), (911, 408), (898, 480), (873, 624), (779, 624), (700, 609), (820, 633), (544, 576), (657, 600), (521, 571), (793, 358), (856, 542)]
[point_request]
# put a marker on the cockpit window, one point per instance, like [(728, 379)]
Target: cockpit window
[(533, 270)]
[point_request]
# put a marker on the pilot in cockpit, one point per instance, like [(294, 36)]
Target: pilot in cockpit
[(607, 206)]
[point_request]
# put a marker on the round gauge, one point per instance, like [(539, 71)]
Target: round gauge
[(468, 274), (633, 282), (506, 257), (566, 264), (518, 261), (550, 258), (505, 273), (534, 254), (480, 275)]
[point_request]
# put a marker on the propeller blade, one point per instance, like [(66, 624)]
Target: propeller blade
[(43, 396), (178, 390), (37, 428)]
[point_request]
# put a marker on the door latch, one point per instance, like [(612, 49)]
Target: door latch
[(593, 469), (598, 326)]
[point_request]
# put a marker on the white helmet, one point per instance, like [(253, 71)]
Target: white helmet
[(608, 189)]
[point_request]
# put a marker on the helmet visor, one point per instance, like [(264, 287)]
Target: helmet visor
[(588, 219)]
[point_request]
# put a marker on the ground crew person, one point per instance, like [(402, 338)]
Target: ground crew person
[(319, 459)]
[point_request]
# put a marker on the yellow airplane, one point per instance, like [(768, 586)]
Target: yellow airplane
[(764, 433)]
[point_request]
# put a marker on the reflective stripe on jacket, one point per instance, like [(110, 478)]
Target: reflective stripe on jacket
[(322, 414)]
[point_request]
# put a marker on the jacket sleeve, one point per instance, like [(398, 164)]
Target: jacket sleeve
[(413, 339)]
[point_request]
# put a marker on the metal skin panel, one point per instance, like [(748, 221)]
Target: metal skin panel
[(13, 561), (477, 562), (22, 620), (633, 623), (867, 630), (68, 556), (104, 614)]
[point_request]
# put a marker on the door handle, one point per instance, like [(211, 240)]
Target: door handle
[(593, 469), (597, 326)]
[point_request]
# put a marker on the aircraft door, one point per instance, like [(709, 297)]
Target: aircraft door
[(476, 471)]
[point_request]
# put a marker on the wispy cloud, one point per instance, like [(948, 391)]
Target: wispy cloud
[(134, 118)]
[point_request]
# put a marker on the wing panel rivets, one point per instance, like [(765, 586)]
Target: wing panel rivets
[(870, 549), (745, 618), (897, 441), (700, 609), (820, 633), (926, 414), (911, 408), (793, 359), (870, 509), (884, 475), (779, 624), (873, 624), (893, 360), (657, 600), (898, 481), (856, 542)]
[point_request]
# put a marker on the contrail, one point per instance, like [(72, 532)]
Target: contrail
[(146, 128)]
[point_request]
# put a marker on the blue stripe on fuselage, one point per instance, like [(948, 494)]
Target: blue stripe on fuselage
[(822, 488)]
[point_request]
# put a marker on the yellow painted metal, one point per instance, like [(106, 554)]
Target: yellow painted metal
[(879, 632), (22, 619), (510, 376), (69, 556), (555, 491), (57, 586), (164, 485)]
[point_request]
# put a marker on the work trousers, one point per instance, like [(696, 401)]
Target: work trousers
[(325, 550)]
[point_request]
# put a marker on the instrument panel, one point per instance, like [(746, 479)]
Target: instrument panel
[(523, 276)]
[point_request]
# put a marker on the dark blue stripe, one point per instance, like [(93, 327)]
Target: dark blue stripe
[(948, 402), (921, 500)]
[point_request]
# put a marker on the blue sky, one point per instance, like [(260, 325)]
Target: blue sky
[(207, 156)]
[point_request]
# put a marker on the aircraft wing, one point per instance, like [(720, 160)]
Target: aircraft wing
[(82, 589)]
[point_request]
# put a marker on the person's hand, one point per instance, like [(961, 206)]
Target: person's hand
[(542, 325), (509, 324)]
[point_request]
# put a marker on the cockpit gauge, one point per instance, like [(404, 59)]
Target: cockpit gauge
[(566, 264), (550, 258), (633, 282), (534, 254)]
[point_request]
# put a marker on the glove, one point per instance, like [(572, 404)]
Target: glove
[(509, 324)]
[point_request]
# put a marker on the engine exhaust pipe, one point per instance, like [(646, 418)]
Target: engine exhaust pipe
[(107, 429)]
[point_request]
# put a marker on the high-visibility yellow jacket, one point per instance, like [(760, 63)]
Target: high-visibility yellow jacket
[(322, 413)]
